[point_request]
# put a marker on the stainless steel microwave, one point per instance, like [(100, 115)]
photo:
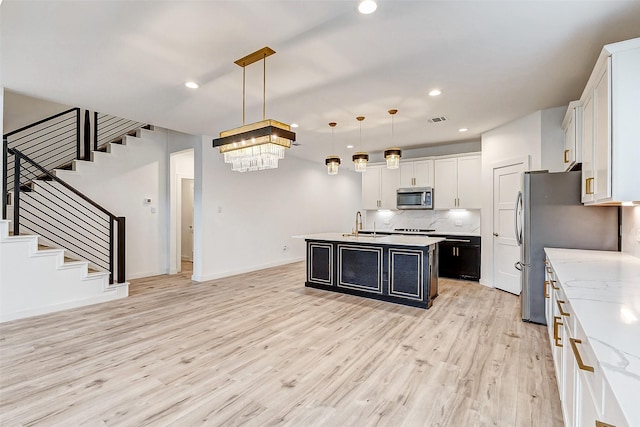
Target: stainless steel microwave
[(414, 198)]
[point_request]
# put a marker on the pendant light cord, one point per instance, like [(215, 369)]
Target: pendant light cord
[(332, 147), (244, 85), (264, 87)]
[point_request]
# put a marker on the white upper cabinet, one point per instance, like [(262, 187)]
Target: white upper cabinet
[(572, 126), (379, 186), (417, 173), (611, 106), (457, 183)]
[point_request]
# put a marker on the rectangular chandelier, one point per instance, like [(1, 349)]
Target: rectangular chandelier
[(259, 145), (255, 146)]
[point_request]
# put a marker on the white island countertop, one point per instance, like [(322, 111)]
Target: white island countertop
[(396, 240), (603, 289)]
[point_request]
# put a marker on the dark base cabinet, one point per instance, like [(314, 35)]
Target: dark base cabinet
[(403, 275), (460, 257)]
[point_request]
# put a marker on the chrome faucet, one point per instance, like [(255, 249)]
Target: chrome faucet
[(358, 223)]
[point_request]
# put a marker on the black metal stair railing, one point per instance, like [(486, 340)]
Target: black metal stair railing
[(52, 142), (44, 204), (107, 128)]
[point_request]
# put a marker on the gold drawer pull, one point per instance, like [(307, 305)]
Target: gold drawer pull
[(581, 364), (549, 270), (556, 335), (588, 189), (562, 312), (601, 424), (556, 288), (566, 160)]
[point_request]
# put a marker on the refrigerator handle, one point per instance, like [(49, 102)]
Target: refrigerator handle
[(516, 214)]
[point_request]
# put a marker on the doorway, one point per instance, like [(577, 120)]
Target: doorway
[(186, 224), (182, 200), (507, 181)]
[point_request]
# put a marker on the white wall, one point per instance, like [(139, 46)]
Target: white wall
[(244, 220), (120, 181), (552, 139), (631, 230), (516, 139), (21, 110)]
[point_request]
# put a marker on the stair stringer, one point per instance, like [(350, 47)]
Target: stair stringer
[(34, 282)]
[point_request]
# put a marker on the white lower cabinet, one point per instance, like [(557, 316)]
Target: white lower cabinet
[(586, 399)]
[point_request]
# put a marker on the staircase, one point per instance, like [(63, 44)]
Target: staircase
[(36, 280), (58, 248)]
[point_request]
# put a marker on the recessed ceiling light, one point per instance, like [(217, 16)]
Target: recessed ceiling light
[(191, 85), (367, 6), (294, 125), (435, 92), (349, 146), (463, 130)]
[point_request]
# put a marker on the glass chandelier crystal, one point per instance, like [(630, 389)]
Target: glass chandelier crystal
[(360, 158), (392, 155), (259, 145), (332, 162)]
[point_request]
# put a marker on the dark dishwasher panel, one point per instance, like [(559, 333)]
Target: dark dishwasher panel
[(459, 257)]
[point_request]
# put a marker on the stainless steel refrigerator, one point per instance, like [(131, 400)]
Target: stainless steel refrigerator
[(549, 214)]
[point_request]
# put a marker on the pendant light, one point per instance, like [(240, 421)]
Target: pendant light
[(259, 145), (332, 161), (360, 158), (392, 155)]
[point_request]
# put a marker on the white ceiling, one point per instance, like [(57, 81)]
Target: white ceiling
[(494, 61)]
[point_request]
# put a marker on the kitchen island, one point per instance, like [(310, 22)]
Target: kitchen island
[(399, 269)]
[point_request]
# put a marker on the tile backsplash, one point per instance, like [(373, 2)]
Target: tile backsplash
[(467, 221)]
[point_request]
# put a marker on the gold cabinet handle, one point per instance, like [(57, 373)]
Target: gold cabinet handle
[(566, 159), (555, 288), (588, 185), (556, 334), (576, 353), (548, 283), (549, 270), (601, 424), (546, 288), (562, 312)]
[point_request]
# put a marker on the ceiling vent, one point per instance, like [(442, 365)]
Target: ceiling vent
[(437, 119)]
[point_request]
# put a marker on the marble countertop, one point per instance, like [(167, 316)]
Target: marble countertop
[(398, 240), (427, 233), (603, 289)]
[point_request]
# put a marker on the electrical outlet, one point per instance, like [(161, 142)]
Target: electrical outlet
[(387, 222), (284, 248), (458, 223)]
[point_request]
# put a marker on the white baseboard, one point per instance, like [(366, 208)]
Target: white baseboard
[(485, 283), (142, 275), (121, 291), (244, 270)]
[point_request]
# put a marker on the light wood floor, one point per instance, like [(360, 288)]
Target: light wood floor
[(260, 349)]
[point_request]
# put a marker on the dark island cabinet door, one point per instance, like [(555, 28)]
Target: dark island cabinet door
[(406, 273), (320, 263), (360, 267)]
